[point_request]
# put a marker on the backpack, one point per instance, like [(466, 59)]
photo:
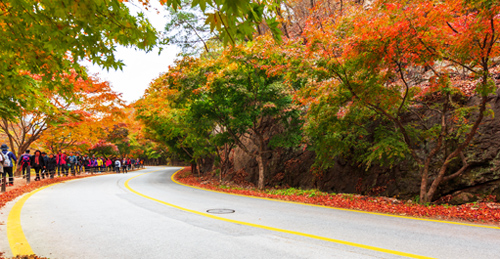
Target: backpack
[(25, 160), (117, 163), (5, 160)]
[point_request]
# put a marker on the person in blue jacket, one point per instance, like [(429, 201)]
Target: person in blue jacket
[(11, 159)]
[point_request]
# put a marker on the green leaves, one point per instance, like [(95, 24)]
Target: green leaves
[(204, 106), (45, 39), (235, 19)]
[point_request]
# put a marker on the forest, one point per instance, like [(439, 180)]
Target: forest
[(392, 98)]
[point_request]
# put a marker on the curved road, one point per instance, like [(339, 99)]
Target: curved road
[(145, 214)]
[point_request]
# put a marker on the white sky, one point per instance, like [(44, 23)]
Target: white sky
[(140, 67)]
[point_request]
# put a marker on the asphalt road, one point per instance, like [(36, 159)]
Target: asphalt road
[(100, 217)]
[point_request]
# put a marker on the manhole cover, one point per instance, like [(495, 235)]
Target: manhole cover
[(220, 211)]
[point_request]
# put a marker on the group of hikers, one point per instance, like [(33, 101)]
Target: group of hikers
[(46, 166)]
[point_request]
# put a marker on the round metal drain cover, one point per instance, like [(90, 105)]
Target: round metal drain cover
[(220, 211)]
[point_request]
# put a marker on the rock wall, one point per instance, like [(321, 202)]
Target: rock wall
[(292, 168)]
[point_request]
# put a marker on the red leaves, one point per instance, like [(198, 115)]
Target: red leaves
[(483, 212)]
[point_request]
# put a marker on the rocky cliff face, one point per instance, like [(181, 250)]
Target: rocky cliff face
[(293, 168)]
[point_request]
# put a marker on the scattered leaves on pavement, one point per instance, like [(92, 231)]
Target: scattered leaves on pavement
[(479, 212)]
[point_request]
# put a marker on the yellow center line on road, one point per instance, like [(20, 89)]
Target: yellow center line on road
[(373, 248), (334, 208)]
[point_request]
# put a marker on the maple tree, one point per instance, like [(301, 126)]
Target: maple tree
[(62, 123), (217, 103), (401, 59), (251, 104), (78, 136), (140, 145), (163, 111), (385, 82), (49, 38)]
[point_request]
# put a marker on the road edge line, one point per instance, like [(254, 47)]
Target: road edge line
[(18, 243), (342, 242), (15, 235), (335, 208)]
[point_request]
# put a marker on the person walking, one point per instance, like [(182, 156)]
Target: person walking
[(108, 165), (38, 163), (132, 164), (95, 165), (117, 165), (45, 171), (3, 180), (24, 162), (99, 164), (61, 163), (129, 164), (79, 165), (90, 165), (85, 164), (10, 159), (72, 163), (124, 165), (52, 166)]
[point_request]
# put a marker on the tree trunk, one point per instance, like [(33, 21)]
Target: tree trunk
[(427, 197), (260, 162)]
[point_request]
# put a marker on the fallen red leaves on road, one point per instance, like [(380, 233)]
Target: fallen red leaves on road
[(480, 212)]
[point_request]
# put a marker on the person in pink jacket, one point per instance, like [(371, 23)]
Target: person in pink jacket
[(108, 164), (61, 162)]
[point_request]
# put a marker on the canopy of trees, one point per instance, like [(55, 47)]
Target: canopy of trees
[(377, 83)]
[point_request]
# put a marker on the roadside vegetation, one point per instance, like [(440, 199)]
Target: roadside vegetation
[(486, 211), (379, 98), (398, 94)]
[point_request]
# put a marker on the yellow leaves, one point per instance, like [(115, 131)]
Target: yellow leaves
[(215, 20)]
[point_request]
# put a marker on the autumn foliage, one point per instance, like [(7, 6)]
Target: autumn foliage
[(376, 84), (373, 83)]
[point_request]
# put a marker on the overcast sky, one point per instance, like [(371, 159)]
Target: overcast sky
[(140, 67)]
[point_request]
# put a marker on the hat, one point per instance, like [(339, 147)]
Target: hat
[(5, 147)]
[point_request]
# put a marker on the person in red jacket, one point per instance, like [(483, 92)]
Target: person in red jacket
[(61, 163), (37, 163)]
